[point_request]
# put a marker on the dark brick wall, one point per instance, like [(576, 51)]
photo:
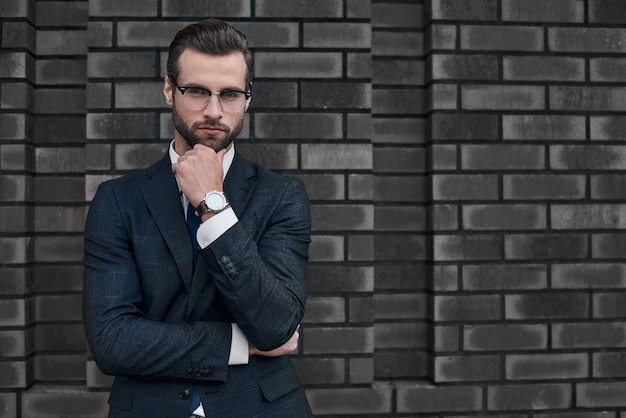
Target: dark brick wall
[(465, 163)]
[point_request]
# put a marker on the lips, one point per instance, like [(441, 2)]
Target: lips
[(211, 129)]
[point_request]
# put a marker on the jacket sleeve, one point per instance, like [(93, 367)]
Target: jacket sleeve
[(262, 277), (122, 339)]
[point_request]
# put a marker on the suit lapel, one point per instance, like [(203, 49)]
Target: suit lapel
[(162, 198)]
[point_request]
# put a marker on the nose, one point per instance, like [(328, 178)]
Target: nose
[(213, 107)]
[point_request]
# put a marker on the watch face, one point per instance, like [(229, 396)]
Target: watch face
[(215, 200)]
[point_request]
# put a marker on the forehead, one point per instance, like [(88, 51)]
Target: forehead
[(196, 67)]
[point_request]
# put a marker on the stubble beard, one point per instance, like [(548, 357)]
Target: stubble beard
[(191, 137)]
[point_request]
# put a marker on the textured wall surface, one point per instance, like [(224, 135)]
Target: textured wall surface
[(467, 171)]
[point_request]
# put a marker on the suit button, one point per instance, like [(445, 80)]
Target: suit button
[(184, 394)]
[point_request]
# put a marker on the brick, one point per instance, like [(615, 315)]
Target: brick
[(545, 246), (16, 219), (607, 127), (321, 371), (418, 397), (399, 306), (324, 186), (402, 365), (529, 397), (326, 248), (15, 374), (342, 217), (400, 218), (66, 368), (16, 343), (55, 337), (465, 187), (300, 125), (122, 64), (400, 247), (440, 36), (589, 335), (58, 249), (502, 157), (607, 69), (607, 365), (587, 39), (367, 400), (99, 96), (498, 217), (336, 95), (19, 35), (110, 8), (608, 186), (544, 186), (14, 64), (445, 278), (336, 35), (359, 65), (60, 160), (60, 72), (274, 94), (358, 9), (492, 277), (338, 340), (547, 366), (58, 101), (359, 126), (58, 278), (588, 276), (464, 67), (587, 216), (14, 189), (609, 305), (503, 97), (336, 156), (467, 308), (61, 13), (400, 335), (504, 38), (591, 98), (505, 337), (134, 156), (331, 279), (100, 34), (18, 8), (8, 404), (360, 187), (400, 276), (61, 42), (464, 10), (195, 8), (298, 65), (547, 306), (360, 309), (400, 189), (543, 127), (299, 9), (564, 11), (600, 394), (16, 281), (466, 247), (15, 250), (146, 33), (445, 338), (13, 126), (17, 96), (608, 246), (397, 101), (16, 158), (443, 157), (361, 248), (50, 308), (396, 15), (442, 97), (606, 11), (398, 72), (57, 129), (139, 95), (397, 44), (42, 401), (399, 160), (593, 157), (466, 368), (464, 126), (59, 219), (116, 126), (543, 68)]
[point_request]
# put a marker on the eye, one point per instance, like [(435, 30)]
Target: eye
[(196, 92), (231, 95)]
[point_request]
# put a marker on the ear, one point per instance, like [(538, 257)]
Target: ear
[(167, 91)]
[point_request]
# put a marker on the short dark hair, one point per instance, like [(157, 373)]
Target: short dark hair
[(210, 36)]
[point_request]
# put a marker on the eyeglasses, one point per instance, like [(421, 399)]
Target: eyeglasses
[(197, 98)]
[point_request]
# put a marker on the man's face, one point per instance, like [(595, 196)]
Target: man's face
[(211, 126)]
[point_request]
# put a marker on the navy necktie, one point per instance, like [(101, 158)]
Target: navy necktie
[(193, 222)]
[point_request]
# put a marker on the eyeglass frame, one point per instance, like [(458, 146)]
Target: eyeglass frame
[(182, 89)]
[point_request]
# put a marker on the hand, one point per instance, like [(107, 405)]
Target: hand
[(287, 348), (199, 171)]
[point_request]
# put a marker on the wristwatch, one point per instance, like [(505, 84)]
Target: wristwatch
[(213, 202)]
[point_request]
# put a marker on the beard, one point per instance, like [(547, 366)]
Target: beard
[(192, 137)]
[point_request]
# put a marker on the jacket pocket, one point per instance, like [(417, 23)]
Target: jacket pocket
[(121, 396), (279, 382)]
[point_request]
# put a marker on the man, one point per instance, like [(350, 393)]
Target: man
[(199, 323)]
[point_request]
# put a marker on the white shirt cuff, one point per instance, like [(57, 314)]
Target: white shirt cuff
[(238, 347), (214, 227)]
